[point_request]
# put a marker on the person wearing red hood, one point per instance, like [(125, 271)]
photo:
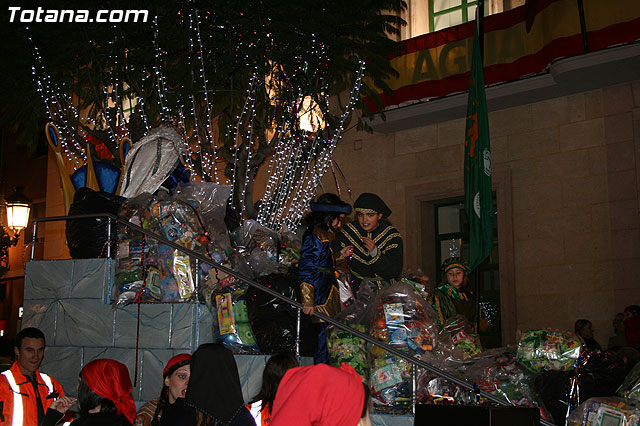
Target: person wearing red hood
[(104, 397), (321, 395)]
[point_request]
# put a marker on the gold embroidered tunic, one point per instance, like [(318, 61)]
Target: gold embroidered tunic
[(387, 262)]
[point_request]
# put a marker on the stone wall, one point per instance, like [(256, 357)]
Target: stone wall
[(569, 172)]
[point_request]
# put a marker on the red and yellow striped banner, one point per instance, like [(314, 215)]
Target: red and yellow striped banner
[(437, 64)]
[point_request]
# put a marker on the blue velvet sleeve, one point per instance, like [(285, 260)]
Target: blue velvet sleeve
[(310, 257), (315, 267)]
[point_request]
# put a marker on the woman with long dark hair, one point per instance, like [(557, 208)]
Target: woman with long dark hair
[(104, 397), (169, 408), (261, 405)]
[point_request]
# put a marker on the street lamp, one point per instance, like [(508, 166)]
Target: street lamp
[(18, 207)]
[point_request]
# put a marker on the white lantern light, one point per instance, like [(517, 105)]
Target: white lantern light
[(18, 208)]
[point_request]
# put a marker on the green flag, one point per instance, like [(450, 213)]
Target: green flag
[(477, 165)]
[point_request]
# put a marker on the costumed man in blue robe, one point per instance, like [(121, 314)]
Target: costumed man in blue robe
[(376, 244), (316, 267)]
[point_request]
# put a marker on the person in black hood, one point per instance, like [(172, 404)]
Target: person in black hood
[(214, 389)]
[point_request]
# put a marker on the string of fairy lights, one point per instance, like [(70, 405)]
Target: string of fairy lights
[(300, 156), (57, 104), (210, 157), (291, 185)]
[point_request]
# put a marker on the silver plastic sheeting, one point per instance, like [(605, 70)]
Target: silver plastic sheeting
[(68, 301), (150, 161), (389, 420)]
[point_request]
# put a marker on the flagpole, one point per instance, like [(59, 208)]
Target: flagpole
[(480, 27), (476, 277)]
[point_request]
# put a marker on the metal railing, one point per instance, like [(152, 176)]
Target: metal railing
[(112, 219)]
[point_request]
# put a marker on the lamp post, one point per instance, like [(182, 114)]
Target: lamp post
[(18, 207)]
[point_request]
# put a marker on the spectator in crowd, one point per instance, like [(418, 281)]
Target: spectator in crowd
[(214, 388), (454, 296), (584, 329), (618, 339), (261, 405), (25, 392), (377, 245), (318, 287), (104, 397), (169, 408), (321, 395), (632, 325)]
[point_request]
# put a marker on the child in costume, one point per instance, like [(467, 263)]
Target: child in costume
[(376, 244), (318, 288), (454, 295)]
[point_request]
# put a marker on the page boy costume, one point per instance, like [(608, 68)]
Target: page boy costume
[(385, 263), (449, 301), (316, 269)]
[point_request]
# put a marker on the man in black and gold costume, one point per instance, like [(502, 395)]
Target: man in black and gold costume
[(377, 245)]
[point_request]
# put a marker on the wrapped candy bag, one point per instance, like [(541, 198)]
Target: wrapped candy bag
[(402, 319), (211, 198), (420, 284), (344, 346), (605, 412), (631, 387), (496, 371), (231, 320), (391, 387), (129, 271), (549, 349), (259, 245), (160, 273), (433, 389), (457, 341), (290, 246)]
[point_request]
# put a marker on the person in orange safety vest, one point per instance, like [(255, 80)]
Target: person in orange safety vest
[(25, 393)]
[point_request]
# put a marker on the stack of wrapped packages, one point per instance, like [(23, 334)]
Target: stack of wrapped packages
[(194, 218), (401, 316)]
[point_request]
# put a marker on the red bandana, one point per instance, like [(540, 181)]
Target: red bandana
[(110, 379), (173, 361)]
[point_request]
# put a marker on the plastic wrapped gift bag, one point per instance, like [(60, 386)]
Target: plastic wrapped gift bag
[(402, 319), (605, 412), (496, 371), (231, 320), (549, 350), (391, 387), (457, 341), (631, 387), (343, 346)]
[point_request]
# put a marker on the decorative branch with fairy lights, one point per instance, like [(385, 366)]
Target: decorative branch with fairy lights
[(242, 84)]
